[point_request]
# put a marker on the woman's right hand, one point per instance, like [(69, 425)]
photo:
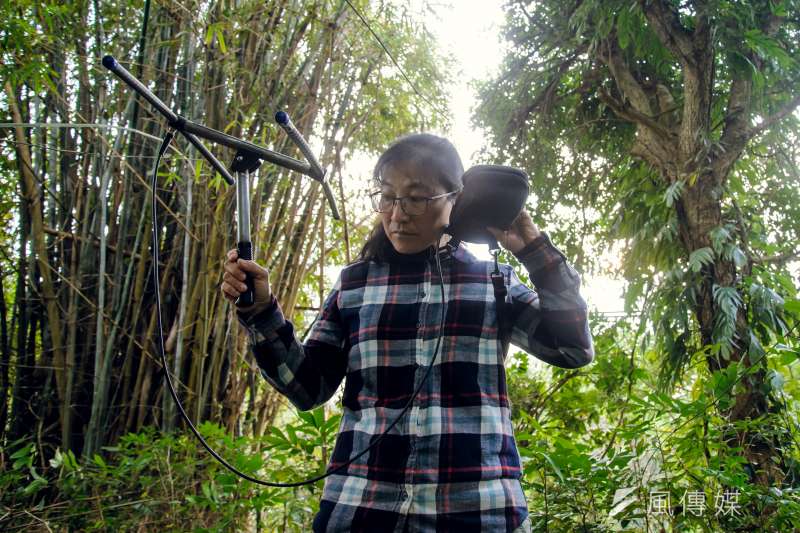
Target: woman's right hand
[(233, 282)]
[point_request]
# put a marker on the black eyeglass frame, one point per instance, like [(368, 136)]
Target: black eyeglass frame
[(375, 199)]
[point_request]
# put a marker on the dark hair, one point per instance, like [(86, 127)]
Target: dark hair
[(421, 154)]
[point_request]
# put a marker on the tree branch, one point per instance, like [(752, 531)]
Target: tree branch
[(667, 26), (737, 130), (628, 85), (779, 115), (733, 136), (537, 410), (631, 114), (780, 259)]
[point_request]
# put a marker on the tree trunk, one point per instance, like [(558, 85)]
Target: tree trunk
[(682, 152)]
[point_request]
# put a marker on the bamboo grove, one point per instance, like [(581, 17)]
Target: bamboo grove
[(79, 364)]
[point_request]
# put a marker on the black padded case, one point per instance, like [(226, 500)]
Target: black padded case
[(493, 195)]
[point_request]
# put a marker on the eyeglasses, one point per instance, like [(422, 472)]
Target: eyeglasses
[(411, 205)]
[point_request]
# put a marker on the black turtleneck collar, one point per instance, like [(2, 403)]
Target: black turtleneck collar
[(393, 256), (390, 255)]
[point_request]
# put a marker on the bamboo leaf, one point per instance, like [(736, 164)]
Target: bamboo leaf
[(221, 40)]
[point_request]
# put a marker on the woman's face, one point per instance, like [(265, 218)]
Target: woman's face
[(413, 233)]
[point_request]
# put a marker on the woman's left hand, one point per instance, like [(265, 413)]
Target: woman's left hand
[(521, 232)]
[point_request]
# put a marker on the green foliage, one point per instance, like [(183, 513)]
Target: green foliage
[(29, 28), (599, 452), (170, 483)]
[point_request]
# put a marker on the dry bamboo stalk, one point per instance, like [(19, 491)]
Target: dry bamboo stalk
[(136, 312), (72, 326), (297, 272), (276, 217), (169, 408), (215, 368), (165, 282), (198, 360), (288, 225)]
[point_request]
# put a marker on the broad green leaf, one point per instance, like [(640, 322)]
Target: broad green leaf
[(700, 257)]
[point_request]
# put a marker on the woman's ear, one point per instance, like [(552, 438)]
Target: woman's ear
[(452, 199)]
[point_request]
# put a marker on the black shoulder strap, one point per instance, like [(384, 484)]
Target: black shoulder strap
[(503, 305)]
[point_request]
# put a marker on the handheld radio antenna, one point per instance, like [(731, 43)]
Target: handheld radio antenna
[(192, 130)]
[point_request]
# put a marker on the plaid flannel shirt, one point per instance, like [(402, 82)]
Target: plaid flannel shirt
[(451, 463)]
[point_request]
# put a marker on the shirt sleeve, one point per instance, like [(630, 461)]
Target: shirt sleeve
[(307, 373), (550, 322)]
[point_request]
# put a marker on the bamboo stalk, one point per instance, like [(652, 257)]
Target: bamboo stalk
[(102, 360), (33, 200), (169, 412), (5, 359)]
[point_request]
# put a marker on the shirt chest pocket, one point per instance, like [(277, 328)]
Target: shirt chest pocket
[(470, 319)]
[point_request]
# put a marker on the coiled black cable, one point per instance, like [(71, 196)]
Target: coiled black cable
[(164, 145)]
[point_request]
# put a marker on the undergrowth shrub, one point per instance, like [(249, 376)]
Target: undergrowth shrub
[(155, 482)]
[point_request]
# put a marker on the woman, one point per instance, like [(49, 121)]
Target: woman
[(451, 463)]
